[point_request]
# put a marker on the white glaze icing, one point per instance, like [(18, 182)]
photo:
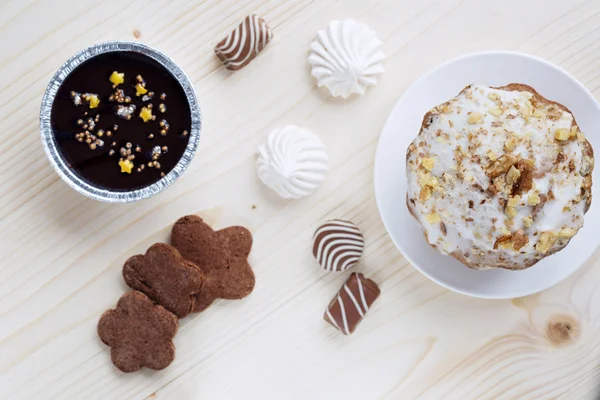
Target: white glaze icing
[(346, 58), (293, 162), (474, 219)]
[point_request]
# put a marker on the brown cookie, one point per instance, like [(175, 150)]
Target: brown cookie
[(221, 255), (139, 333), (164, 276)]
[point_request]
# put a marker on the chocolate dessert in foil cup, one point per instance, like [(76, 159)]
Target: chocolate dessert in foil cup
[(128, 134)]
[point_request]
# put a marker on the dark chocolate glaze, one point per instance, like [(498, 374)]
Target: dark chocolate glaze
[(97, 167)]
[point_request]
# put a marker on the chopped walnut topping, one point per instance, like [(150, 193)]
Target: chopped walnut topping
[(528, 221), (502, 241), (433, 218), (519, 240), (475, 117), (537, 113), (587, 165), (534, 199), (513, 201), (492, 155), (425, 194), (424, 179), (497, 111), (566, 233), (510, 144), (513, 175), (493, 96), (501, 165), (510, 212), (562, 134), (446, 108), (428, 163), (525, 182), (545, 242), (525, 111), (448, 178)]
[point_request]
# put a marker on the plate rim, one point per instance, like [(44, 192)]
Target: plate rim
[(377, 166)]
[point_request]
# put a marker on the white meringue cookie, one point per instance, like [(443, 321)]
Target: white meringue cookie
[(293, 162), (346, 58)]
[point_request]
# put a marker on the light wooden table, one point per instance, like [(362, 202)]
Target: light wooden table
[(61, 254)]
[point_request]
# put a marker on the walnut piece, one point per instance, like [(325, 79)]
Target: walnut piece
[(525, 182), (497, 111), (433, 218), (502, 241), (428, 163), (519, 240), (475, 117), (546, 241), (425, 194), (512, 176), (501, 165), (562, 134)]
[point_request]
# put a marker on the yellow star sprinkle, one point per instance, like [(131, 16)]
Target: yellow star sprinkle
[(146, 114), (94, 101), (140, 89), (126, 166), (117, 78)]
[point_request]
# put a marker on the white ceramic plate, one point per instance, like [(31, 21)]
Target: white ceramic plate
[(403, 125)]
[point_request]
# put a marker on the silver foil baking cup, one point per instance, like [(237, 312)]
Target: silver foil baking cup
[(51, 146)]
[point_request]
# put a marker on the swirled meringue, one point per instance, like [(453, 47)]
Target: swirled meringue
[(292, 162), (346, 58)]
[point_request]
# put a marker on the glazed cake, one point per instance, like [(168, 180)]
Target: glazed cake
[(499, 177)]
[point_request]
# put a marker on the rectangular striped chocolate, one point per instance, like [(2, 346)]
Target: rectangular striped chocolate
[(244, 43), (351, 303)]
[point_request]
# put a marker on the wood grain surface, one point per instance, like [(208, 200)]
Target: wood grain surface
[(61, 254)]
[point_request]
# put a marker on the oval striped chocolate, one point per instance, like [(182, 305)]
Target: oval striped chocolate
[(338, 245), (244, 43)]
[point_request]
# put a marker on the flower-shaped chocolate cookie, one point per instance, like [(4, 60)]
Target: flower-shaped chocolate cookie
[(221, 255), (165, 277), (139, 333)]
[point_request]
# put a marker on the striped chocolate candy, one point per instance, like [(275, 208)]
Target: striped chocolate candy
[(338, 245), (351, 303), (244, 43)]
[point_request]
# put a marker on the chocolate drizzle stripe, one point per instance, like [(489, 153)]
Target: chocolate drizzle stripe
[(343, 314), (362, 294), (349, 292), (243, 30)]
